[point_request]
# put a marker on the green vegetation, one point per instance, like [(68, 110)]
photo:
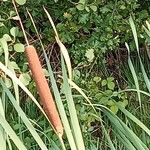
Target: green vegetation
[(103, 100)]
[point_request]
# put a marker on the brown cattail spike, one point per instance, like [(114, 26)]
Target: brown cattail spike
[(43, 89)]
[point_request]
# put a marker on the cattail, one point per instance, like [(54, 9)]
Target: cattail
[(43, 89)]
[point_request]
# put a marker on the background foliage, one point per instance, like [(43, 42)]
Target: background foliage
[(94, 33)]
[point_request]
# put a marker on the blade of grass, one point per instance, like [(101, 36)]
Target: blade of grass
[(16, 89), (2, 132), (11, 133), (147, 81), (133, 74), (62, 110), (5, 48), (18, 82), (119, 125), (72, 111), (118, 128), (134, 119), (61, 45), (9, 144), (107, 136), (127, 144), (148, 25), (24, 118), (81, 92), (134, 90)]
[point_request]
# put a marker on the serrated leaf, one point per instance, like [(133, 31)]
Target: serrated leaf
[(93, 7), (90, 55), (21, 2), (80, 7), (19, 47), (25, 78)]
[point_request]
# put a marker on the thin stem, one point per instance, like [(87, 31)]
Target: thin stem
[(25, 36)]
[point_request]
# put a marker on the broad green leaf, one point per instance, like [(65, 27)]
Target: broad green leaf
[(25, 78), (14, 31), (114, 109), (13, 65), (93, 7), (82, 1), (21, 2), (80, 7), (110, 103), (90, 55), (111, 85), (8, 82), (7, 37), (97, 79), (87, 9), (109, 79), (19, 47), (104, 82)]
